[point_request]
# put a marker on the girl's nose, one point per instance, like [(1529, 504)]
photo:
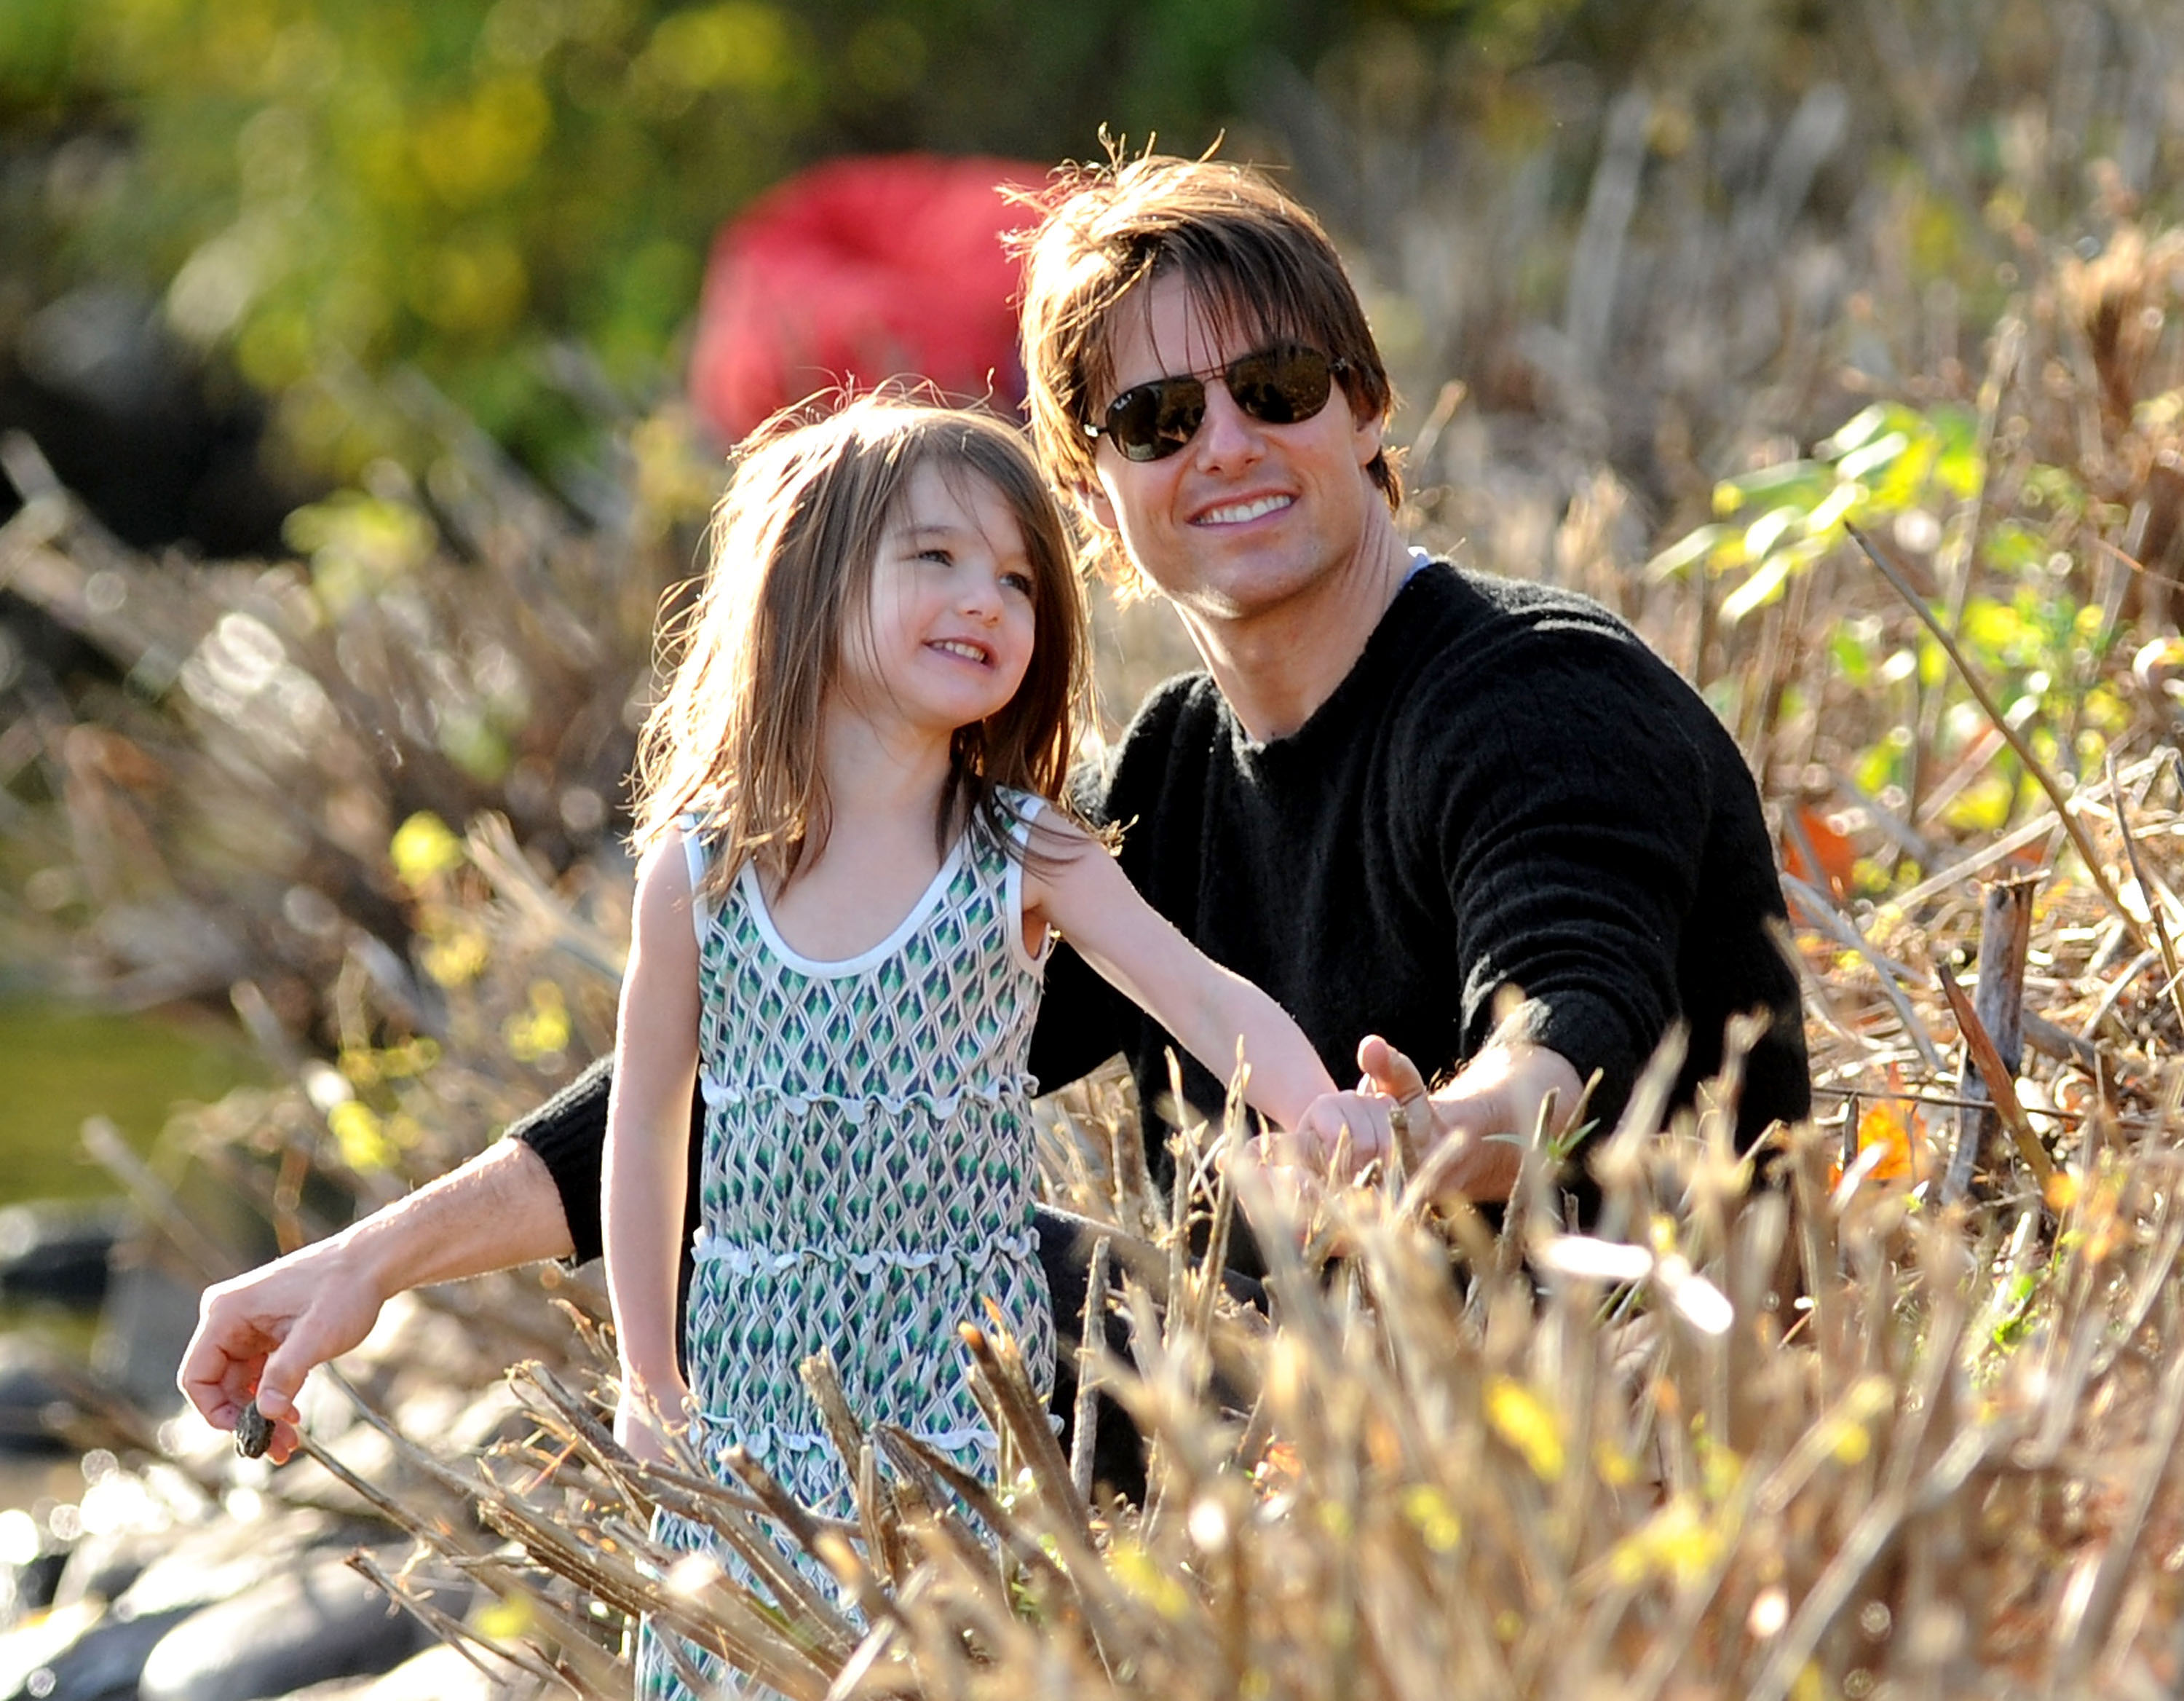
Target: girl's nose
[(980, 597)]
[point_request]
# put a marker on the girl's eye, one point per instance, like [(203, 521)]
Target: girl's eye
[(1018, 582), (937, 555)]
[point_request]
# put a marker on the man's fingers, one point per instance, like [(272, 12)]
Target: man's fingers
[(282, 1447), (1387, 1071), (286, 1368), (225, 1359)]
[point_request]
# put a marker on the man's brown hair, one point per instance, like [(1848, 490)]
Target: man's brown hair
[(1255, 259)]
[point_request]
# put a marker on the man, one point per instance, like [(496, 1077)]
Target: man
[(1399, 798)]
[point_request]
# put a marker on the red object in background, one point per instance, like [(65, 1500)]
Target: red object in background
[(862, 269)]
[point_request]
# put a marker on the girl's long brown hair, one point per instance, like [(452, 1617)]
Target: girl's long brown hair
[(736, 739)]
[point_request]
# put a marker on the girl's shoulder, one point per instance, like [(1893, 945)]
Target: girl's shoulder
[(699, 838), (1036, 827), (1021, 807)]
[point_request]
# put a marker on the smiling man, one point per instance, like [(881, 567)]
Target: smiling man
[(1467, 831), (1401, 796)]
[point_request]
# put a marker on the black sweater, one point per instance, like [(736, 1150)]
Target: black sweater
[(1508, 789)]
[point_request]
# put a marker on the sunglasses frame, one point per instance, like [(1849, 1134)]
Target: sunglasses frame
[(1160, 448)]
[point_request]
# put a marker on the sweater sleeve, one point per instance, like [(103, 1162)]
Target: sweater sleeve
[(1082, 1021), (1572, 826), (569, 1133)]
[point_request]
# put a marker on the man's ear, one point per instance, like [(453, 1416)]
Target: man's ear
[(1091, 501), (1368, 434)]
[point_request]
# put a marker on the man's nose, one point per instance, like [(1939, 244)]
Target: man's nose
[(1226, 435)]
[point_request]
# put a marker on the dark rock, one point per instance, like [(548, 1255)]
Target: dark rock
[(103, 1663), (323, 1622), (30, 1587), (33, 1398), (162, 449), (253, 1432), (55, 1252), (143, 1329)]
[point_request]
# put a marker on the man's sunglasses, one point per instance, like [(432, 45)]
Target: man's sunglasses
[(1277, 386)]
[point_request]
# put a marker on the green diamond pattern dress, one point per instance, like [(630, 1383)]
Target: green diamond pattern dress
[(867, 1178)]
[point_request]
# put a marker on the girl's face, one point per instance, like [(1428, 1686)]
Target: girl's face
[(948, 632)]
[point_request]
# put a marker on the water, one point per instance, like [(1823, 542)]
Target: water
[(60, 1063)]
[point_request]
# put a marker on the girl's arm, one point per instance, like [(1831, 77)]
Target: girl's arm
[(1083, 891), (648, 1124)]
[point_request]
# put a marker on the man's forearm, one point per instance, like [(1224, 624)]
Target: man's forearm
[(500, 1208), (260, 1333)]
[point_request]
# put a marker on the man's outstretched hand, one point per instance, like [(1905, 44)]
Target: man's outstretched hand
[(1474, 1129), (263, 1332)]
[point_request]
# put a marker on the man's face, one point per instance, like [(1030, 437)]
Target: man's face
[(1246, 514)]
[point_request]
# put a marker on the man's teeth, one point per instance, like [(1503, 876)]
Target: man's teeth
[(969, 652), (1242, 510)]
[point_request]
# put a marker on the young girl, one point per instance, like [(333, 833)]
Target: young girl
[(850, 881)]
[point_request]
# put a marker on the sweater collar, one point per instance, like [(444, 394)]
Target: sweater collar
[(1334, 719)]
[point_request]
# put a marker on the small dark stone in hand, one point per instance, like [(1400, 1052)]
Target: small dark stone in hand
[(253, 1432)]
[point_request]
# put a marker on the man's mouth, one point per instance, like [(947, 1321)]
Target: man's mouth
[(1236, 513)]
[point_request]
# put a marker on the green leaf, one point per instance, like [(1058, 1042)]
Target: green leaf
[(1873, 456), (1859, 429), (1767, 531), (1800, 483), (1678, 559), (2013, 547), (1851, 656), (1764, 585)]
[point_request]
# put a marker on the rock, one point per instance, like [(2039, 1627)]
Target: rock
[(38, 1641), (253, 1432), (143, 1329), (440, 1673), (230, 1556), (101, 1567), (103, 1664), (33, 1398), (29, 1587), (55, 1252), (304, 1628)]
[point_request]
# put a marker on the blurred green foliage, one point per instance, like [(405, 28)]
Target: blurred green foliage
[(65, 1064), (516, 195)]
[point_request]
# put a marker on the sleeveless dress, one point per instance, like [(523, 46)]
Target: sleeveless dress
[(867, 1182)]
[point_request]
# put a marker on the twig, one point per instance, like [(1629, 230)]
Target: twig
[(1999, 1081), (113, 1154), (1815, 905), (1085, 1419), (2162, 942), (2005, 937)]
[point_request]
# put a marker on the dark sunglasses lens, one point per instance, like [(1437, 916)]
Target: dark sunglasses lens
[(1276, 386), (1154, 420), (1282, 386)]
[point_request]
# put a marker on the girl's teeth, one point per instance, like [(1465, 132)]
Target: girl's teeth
[(968, 652)]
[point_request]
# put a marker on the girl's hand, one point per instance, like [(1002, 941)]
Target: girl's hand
[(642, 1417), (1341, 1134)]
